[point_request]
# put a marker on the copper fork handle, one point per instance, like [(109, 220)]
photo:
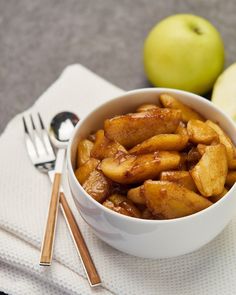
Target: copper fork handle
[(82, 249), (49, 234)]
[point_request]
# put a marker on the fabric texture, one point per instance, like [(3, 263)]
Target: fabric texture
[(24, 196)]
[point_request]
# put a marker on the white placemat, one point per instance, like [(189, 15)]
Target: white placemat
[(24, 197)]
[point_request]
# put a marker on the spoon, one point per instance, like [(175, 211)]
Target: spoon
[(61, 128)]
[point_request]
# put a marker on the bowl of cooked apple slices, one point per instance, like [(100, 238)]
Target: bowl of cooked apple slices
[(152, 172)]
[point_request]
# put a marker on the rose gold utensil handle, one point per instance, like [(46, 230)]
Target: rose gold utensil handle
[(90, 269), (49, 234)]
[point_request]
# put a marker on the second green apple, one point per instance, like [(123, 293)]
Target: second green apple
[(184, 51)]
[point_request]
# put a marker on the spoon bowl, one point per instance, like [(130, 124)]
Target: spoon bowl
[(61, 128)]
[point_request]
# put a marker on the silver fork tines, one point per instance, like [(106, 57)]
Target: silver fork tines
[(45, 137), (38, 145)]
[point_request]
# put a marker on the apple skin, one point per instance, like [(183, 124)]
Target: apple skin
[(184, 51), (224, 91)]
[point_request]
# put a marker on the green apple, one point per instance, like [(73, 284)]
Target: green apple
[(184, 51), (224, 91)]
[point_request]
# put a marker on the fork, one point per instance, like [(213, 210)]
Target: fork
[(42, 156)]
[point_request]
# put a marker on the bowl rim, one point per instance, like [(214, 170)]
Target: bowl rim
[(135, 219)]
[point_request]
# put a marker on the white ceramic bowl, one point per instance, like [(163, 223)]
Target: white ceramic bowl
[(150, 238)]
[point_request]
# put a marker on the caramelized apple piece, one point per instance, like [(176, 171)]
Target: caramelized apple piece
[(161, 142), (136, 196), (84, 148), (132, 129), (122, 205), (181, 129), (201, 148), (110, 205), (216, 198), (120, 189), (210, 173), (92, 137), (225, 140), (97, 186), (180, 177), (104, 147), (133, 169), (194, 155), (171, 200), (146, 214), (183, 162), (171, 102), (200, 132), (231, 178), (82, 173), (146, 108), (232, 164)]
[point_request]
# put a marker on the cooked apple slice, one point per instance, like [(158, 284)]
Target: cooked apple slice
[(194, 155), (133, 169), (122, 205), (104, 147), (146, 214), (84, 148), (171, 102), (110, 205), (82, 173), (180, 177), (146, 108), (232, 164), (200, 132), (183, 162), (210, 172), (97, 186), (136, 196), (92, 137), (218, 197), (132, 129), (225, 140), (171, 200), (161, 142), (231, 178), (201, 148), (181, 129)]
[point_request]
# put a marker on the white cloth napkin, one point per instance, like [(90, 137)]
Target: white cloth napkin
[(24, 197)]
